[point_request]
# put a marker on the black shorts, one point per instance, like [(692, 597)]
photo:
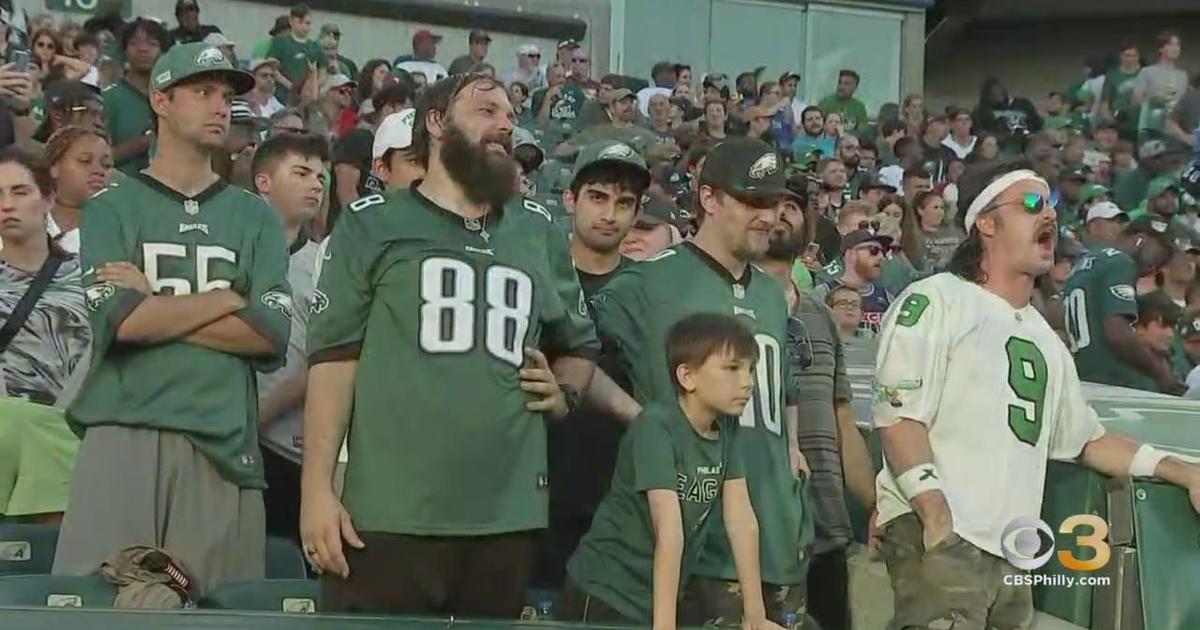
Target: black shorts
[(577, 605), (470, 576)]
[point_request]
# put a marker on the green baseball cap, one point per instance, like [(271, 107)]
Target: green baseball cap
[(610, 151), (1092, 191), (184, 61), (745, 168), (1162, 184), (656, 210)]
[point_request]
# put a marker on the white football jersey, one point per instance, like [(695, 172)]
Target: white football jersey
[(998, 392)]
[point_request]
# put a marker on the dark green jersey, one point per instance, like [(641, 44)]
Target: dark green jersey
[(1103, 284), (224, 238), (662, 451), (128, 114), (633, 314), (438, 311), (295, 55)]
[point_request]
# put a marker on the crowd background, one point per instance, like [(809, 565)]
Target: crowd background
[(1114, 143)]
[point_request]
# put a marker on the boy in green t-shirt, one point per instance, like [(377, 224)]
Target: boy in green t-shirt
[(676, 464)]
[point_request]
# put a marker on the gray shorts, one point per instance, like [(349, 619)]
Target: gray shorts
[(148, 487)]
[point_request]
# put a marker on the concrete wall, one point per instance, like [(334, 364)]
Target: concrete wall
[(1036, 57)]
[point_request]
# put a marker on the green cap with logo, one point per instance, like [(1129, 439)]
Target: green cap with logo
[(746, 168), (610, 151), (184, 61)]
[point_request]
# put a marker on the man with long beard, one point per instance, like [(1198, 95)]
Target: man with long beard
[(459, 287)]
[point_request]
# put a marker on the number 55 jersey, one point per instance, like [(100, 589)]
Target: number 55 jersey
[(998, 392), (633, 314), (438, 311)]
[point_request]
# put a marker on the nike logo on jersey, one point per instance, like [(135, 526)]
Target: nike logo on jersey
[(184, 228), (476, 250), (748, 312)]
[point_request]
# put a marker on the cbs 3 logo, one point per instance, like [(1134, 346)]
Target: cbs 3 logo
[(1028, 543)]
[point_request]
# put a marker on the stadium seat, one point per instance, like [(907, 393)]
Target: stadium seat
[(284, 560), (27, 549), (289, 596), (57, 591)]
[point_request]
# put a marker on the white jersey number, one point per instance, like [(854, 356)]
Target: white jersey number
[(205, 254), (766, 401), (1075, 307), (448, 309)]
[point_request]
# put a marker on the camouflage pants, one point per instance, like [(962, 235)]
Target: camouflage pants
[(719, 603), (955, 585)]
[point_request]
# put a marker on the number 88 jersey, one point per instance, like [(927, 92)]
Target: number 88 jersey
[(998, 392), (438, 312)]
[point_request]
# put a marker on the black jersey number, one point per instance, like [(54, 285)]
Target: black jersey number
[(449, 308), (765, 408)]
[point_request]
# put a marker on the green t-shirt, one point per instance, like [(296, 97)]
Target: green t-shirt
[(853, 112), (438, 311), (1119, 101), (225, 237), (129, 114), (633, 314), (568, 106), (1129, 189), (294, 56), (1102, 285), (661, 451)]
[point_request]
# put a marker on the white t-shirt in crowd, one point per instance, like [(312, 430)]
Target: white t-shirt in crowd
[(998, 392), (961, 150)]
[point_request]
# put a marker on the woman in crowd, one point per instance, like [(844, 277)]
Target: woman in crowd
[(44, 47), (518, 96), (373, 77), (770, 95), (713, 127), (79, 160), (913, 114), (929, 240), (834, 126), (987, 149), (55, 335)]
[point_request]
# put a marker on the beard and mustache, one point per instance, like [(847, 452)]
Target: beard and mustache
[(485, 177), (785, 242)]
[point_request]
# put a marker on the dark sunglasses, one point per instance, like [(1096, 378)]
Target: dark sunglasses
[(873, 250), (534, 55), (579, 59), (868, 225)]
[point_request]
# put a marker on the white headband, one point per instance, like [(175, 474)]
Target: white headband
[(994, 189)]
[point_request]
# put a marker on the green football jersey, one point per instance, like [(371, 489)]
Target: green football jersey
[(1102, 284), (438, 311), (662, 451), (223, 238), (128, 115), (633, 315)]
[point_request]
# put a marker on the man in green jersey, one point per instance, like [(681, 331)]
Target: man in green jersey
[(186, 280), (431, 306), (127, 102), (738, 191), (678, 467), (1101, 307), (297, 53)]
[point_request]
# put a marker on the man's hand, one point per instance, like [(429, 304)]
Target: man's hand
[(873, 534), (73, 69), (935, 517), (1193, 490), (760, 624), (799, 463), (125, 275), (324, 523), (539, 380)]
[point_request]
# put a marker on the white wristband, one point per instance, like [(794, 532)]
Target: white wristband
[(1145, 461), (918, 479)]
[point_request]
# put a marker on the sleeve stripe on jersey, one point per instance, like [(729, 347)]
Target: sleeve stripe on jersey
[(344, 352)]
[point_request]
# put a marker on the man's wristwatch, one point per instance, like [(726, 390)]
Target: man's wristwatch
[(571, 395)]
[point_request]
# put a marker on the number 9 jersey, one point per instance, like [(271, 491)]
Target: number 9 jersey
[(998, 392), (438, 311)]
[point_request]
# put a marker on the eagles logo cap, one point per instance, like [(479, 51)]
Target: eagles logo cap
[(610, 151), (746, 168), (184, 61)]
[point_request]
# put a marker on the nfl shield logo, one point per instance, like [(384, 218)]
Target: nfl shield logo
[(191, 207), (739, 291)]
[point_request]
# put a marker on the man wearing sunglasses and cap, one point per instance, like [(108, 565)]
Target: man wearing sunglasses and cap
[(975, 393), (863, 253), (186, 281), (739, 190)]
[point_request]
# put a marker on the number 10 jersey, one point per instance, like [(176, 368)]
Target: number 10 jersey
[(438, 312), (998, 392)]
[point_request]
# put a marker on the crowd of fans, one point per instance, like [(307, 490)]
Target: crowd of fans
[(868, 205)]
